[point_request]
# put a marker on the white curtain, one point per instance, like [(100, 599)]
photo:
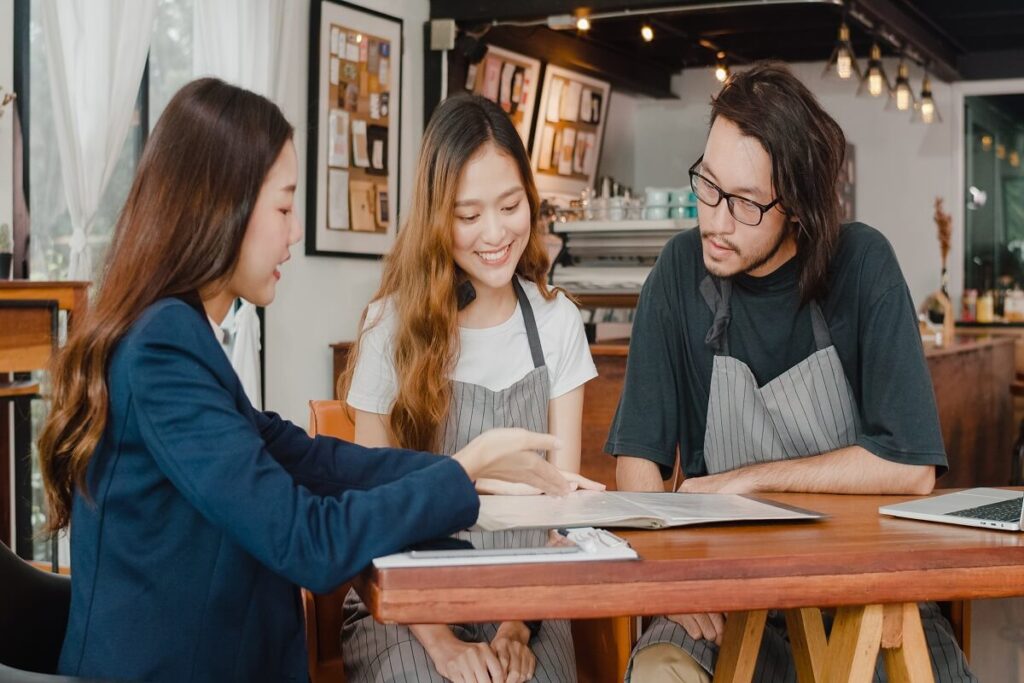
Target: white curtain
[(96, 53), (247, 43)]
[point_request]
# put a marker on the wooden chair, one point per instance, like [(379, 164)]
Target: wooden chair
[(602, 645), (324, 612)]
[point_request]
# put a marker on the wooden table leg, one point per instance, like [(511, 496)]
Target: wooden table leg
[(740, 645), (853, 644), (906, 651), (807, 636)]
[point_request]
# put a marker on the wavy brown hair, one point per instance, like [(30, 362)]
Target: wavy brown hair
[(179, 233), (420, 276), (807, 147)]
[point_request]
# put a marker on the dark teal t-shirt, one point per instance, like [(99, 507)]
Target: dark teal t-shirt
[(871, 319)]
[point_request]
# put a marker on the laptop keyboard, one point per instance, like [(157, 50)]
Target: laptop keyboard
[(1003, 511)]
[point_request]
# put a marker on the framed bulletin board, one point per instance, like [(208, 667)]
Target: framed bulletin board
[(570, 127), (354, 121), (510, 80)]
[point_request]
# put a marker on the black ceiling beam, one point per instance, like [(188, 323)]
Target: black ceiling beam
[(512, 10), (623, 70), (941, 53)]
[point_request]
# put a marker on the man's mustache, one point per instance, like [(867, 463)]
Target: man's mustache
[(721, 240)]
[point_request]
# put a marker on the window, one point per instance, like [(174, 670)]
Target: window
[(169, 67)]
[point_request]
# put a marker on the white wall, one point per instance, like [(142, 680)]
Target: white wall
[(901, 167), (319, 299), (618, 150)]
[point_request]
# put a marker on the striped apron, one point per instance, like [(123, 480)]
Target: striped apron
[(390, 652), (807, 410)]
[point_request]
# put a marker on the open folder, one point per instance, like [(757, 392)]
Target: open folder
[(637, 510)]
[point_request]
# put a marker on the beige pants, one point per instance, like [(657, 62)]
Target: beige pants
[(667, 663)]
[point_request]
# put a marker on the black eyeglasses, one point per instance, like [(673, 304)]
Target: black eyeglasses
[(746, 211)]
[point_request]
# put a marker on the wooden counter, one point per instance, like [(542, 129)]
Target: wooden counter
[(972, 388)]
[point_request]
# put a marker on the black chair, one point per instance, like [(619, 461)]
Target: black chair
[(32, 621)]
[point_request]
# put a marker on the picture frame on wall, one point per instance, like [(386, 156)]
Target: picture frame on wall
[(511, 81), (569, 131), (355, 84)]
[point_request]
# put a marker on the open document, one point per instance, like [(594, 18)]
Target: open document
[(637, 510)]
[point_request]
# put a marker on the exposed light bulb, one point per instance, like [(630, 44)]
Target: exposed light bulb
[(902, 97), (875, 82), (844, 64), (1014, 159), (721, 68), (927, 110), (986, 142), (647, 33), (583, 23)]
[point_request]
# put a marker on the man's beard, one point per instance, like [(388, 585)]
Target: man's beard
[(753, 263)]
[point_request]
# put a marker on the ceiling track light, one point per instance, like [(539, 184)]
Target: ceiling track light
[(902, 96), (721, 67), (843, 62), (925, 110), (647, 33), (582, 22), (874, 82)]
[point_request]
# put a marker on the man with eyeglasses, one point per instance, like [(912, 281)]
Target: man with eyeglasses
[(777, 350)]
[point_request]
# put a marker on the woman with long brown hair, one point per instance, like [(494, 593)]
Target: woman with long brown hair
[(464, 334), (193, 514)]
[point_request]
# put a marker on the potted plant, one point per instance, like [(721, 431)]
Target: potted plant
[(6, 247)]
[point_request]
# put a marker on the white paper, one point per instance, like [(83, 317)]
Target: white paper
[(360, 155), (585, 97), (337, 199), (492, 79), (570, 110), (378, 154), (547, 141), (335, 70), (374, 105), (614, 508), (384, 76), (337, 143), (590, 157), (505, 97), (565, 155), (554, 99), (352, 48), (335, 32)]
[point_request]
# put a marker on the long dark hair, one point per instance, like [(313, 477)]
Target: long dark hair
[(180, 231), (807, 148), (420, 275)]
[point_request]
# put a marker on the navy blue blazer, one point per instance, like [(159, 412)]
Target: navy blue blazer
[(206, 514)]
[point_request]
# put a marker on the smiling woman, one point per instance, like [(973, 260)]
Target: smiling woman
[(463, 335)]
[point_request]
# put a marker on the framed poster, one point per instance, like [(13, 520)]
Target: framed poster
[(570, 127), (510, 80), (355, 81)]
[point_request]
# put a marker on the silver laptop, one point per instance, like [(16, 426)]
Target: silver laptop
[(983, 507)]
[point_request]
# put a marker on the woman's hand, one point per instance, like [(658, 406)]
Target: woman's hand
[(577, 482), (511, 644), (510, 455)]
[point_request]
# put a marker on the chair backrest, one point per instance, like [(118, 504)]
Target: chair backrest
[(29, 334), (324, 612), (34, 615), (331, 418)]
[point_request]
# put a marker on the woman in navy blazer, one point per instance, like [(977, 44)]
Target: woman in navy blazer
[(195, 516)]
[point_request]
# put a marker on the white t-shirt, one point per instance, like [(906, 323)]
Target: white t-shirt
[(494, 357)]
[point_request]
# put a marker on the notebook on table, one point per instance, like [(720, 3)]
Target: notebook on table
[(986, 508)]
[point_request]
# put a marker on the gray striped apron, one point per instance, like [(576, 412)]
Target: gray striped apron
[(807, 410), (389, 652)]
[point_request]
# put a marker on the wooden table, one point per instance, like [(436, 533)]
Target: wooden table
[(873, 568), (73, 298)]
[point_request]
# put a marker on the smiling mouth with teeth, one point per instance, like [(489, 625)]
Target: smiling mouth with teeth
[(494, 256)]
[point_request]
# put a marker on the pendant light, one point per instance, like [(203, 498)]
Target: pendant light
[(843, 62), (874, 82), (925, 110)]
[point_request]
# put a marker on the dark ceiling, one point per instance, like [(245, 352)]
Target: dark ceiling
[(960, 39)]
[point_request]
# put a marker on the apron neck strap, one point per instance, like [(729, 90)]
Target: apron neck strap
[(822, 337), (717, 292), (536, 350)]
